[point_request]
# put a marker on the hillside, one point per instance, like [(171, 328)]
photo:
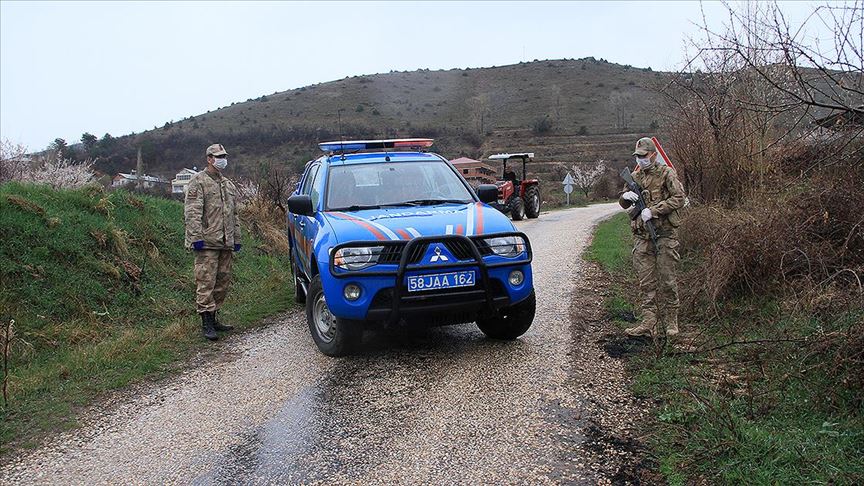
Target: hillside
[(102, 294), (564, 110)]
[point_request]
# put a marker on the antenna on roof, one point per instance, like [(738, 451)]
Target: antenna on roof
[(341, 136)]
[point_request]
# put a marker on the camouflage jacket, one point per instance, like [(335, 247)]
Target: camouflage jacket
[(664, 196), (211, 212)]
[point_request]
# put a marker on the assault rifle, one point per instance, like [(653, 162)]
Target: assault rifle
[(640, 205)]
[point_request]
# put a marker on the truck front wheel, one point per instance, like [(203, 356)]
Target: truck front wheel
[(334, 336), (510, 322)]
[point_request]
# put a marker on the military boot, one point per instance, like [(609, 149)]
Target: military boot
[(672, 325), (640, 330), (207, 327), (218, 325)]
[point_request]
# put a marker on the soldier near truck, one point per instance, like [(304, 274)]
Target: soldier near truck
[(213, 234), (655, 261)]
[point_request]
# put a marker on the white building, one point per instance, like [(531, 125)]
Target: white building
[(122, 179), (181, 180)]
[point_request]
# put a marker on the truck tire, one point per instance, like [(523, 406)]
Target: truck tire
[(511, 322), (334, 336), (532, 202), (517, 207)]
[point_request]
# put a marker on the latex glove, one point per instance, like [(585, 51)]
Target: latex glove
[(198, 245), (630, 196), (237, 246), (646, 215)]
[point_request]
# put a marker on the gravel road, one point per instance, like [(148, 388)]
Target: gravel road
[(437, 406)]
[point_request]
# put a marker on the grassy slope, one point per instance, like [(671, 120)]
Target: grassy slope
[(86, 319), (708, 429)]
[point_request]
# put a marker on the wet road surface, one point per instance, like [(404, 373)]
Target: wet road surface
[(440, 406)]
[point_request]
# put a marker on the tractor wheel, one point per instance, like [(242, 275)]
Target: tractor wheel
[(517, 207), (532, 202)]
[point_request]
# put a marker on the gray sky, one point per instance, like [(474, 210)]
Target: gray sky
[(73, 67)]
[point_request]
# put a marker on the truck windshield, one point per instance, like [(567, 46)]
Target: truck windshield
[(362, 186)]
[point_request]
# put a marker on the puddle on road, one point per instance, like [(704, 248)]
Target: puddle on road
[(346, 423), (292, 433)]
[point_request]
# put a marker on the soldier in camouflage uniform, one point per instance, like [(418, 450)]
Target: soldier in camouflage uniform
[(213, 233), (663, 196)]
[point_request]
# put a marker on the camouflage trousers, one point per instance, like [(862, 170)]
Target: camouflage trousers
[(658, 284), (212, 278)]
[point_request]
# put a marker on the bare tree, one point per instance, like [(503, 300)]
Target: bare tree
[(275, 184), (13, 160), (586, 175), (761, 82), (620, 103), (479, 111)]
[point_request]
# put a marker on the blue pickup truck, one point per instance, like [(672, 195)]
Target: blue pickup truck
[(386, 234)]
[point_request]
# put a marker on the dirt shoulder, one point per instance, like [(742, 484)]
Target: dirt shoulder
[(615, 422)]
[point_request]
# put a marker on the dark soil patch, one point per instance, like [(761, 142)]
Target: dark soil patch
[(617, 346), (639, 470)]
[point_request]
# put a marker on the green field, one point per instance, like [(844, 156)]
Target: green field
[(102, 295), (733, 415)]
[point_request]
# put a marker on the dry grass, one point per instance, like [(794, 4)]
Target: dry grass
[(267, 223)]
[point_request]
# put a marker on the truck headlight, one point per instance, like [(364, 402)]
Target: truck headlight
[(506, 246), (356, 258)]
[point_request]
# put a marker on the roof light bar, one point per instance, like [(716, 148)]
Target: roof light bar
[(529, 155), (360, 145)]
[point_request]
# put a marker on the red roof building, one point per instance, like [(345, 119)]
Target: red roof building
[(474, 171)]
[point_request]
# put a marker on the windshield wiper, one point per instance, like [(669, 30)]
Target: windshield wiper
[(430, 202), (355, 207)]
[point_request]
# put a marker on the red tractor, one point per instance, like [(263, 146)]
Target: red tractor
[(520, 198)]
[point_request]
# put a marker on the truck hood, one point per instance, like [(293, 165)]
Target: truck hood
[(404, 223)]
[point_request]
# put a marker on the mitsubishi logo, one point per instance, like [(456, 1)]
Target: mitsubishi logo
[(438, 256)]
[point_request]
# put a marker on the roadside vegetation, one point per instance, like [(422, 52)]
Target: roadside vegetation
[(757, 399), (97, 292), (764, 385)]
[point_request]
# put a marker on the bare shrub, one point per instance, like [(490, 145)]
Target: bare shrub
[(267, 222), (811, 232), (263, 210)]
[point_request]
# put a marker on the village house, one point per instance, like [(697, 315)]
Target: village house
[(147, 182), (474, 171), (181, 180)]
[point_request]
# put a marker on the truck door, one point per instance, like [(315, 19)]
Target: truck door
[(300, 225)]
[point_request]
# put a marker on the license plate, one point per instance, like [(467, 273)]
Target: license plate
[(417, 283)]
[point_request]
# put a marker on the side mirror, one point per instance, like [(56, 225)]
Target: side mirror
[(487, 193), (300, 204)]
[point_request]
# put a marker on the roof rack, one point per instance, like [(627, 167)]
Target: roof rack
[(354, 146)]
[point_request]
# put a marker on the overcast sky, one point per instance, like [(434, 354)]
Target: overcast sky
[(73, 67)]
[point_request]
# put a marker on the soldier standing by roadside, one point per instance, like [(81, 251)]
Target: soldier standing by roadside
[(213, 233), (663, 196)]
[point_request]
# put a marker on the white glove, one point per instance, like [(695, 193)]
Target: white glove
[(630, 196), (646, 215)]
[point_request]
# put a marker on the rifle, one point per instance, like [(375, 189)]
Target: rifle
[(640, 205)]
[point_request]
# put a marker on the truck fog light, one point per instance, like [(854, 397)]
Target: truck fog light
[(516, 278), (352, 292)]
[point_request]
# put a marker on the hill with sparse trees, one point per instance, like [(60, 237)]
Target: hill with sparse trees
[(566, 111)]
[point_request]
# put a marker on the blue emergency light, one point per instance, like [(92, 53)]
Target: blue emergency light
[(361, 145)]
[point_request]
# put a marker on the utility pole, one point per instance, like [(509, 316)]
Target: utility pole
[(139, 171)]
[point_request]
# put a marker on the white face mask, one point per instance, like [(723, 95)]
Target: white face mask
[(643, 162), (220, 163)]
